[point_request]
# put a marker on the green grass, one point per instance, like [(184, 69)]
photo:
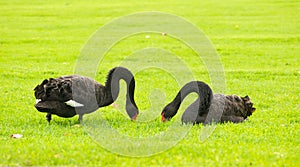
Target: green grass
[(259, 46)]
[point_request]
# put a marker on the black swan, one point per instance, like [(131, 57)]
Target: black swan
[(67, 96), (209, 107)]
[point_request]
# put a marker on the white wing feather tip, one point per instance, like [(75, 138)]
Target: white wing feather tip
[(37, 101), (73, 103)]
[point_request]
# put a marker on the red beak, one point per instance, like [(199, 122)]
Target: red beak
[(134, 118), (163, 119)]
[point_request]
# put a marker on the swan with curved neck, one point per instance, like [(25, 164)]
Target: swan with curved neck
[(68, 96), (209, 107), (200, 106)]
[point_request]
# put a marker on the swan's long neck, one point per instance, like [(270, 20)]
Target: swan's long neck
[(112, 88), (204, 95)]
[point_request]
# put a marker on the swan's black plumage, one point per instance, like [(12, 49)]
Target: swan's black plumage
[(209, 107), (67, 96)]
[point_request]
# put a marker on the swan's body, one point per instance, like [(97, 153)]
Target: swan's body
[(209, 107), (227, 108), (67, 96)]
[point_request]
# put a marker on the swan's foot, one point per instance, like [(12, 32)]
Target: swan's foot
[(48, 117)]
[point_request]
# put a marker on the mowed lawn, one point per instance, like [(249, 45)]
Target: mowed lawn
[(259, 46)]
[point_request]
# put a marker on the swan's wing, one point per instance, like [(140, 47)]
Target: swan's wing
[(84, 91), (59, 89), (55, 107), (73, 90)]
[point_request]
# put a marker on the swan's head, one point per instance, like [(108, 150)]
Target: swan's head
[(131, 109), (168, 112)]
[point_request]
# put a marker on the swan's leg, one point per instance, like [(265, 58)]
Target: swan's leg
[(80, 117), (48, 117)]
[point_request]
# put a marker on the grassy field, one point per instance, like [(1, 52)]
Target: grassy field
[(259, 46)]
